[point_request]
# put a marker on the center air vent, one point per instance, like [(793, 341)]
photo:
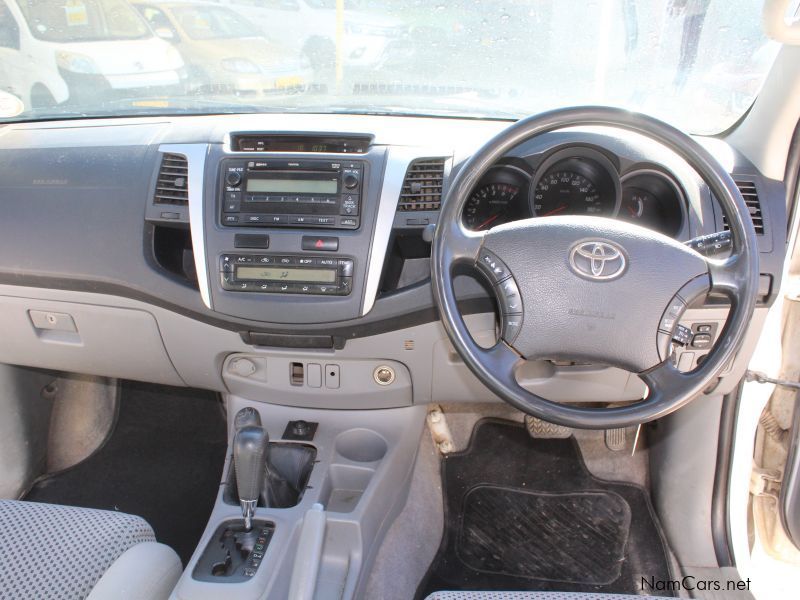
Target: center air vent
[(172, 184), (422, 188), (750, 195)]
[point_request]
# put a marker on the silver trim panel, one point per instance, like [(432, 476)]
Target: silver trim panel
[(196, 158), (398, 159)]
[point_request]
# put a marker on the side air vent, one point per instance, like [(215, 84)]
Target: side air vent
[(422, 187), (172, 184), (750, 195)]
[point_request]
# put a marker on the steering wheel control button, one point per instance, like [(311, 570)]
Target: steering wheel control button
[(510, 299), (672, 315), (493, 267), (511, 326)]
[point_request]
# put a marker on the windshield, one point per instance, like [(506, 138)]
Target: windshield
[(696, 63), (88, 20), (211, 23)]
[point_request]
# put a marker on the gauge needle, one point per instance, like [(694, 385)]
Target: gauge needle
[(556, 210), (488, 221)]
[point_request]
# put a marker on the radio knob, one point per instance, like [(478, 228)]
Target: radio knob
[(350, 181), (233, 178)]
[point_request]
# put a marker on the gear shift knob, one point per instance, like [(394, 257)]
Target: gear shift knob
[(250, 448), (246, 416)]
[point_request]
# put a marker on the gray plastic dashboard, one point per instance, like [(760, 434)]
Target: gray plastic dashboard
[(77, 208)]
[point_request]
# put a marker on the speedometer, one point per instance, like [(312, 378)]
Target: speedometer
[(569, 193), (576, 181)]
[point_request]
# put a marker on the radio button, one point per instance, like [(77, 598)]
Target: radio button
[(300, 220), (348, 222), (276, 219), (233, 178), (254, 219), (230, 219), (349, 206), (230, 207), (328, 221)]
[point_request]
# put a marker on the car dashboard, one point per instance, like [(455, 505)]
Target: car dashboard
[(244, 253)]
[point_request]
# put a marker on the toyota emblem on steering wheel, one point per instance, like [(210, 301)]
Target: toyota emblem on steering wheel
[(597, 259)]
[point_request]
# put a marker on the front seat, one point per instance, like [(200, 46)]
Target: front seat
[(63, 552)]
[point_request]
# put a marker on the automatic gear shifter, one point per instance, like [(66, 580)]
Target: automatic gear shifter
[(250, 448)]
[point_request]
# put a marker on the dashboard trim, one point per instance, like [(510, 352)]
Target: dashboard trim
[(196, 160), (398, 160)]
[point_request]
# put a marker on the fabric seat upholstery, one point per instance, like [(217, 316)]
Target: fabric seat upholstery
[(57, 552), (530, 596)]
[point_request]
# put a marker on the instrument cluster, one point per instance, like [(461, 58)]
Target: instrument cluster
[(576, 181)]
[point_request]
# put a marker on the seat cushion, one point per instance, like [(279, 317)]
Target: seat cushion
[(148, 571), (531, 596), (61, 552)]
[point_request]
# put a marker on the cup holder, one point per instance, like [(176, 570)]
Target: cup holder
[(361, 446)]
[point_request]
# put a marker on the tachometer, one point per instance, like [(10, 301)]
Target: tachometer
[(489, 205)]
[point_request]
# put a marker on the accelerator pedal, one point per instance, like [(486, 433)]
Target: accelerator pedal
[(539, 429)]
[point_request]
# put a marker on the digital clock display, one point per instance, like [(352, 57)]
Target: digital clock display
[(285, 274)]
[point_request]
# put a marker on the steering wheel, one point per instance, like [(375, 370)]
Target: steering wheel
[(593, 289)]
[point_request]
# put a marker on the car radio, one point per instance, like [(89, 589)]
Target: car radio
[(281, 274), (291, 193)]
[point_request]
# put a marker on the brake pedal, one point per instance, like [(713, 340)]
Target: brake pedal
[(616, 439), (543, 430)]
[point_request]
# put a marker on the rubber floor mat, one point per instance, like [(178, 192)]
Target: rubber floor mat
[(162, 462), (525, 514)]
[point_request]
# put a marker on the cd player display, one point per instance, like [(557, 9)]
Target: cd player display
[(284, 193)]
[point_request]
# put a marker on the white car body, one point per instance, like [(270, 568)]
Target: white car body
[(124, 64), (368, 40)]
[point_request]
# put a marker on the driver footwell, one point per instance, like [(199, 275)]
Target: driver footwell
[(526, 514)]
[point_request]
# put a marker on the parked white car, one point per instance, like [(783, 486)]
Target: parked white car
[(309, 26), (82, 51)]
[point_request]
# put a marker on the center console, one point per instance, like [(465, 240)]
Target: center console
[(287, 226)]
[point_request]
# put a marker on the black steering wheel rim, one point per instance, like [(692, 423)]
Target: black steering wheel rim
[(669, 389)]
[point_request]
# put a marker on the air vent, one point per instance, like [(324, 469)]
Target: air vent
[(172, 184), (750, 195), (422, 188)]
